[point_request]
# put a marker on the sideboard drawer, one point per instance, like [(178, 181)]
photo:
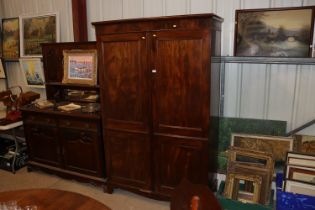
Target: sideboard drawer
[(78, 124)]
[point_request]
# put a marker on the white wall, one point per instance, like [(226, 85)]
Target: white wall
[(15, 8), (279, 92)]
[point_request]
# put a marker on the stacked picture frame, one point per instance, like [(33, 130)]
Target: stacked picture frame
[(300, 174), (249, 175)]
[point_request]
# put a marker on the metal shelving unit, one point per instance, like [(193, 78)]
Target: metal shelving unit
[(222, 60)]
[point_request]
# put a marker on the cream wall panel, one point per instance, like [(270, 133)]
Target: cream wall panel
[(133, 8), (305, 107), (248, 4), (308, 2), (202, 6), (286, 3), (44, 5), (232, 86), (228, 13), (153, 8), (253, 90), (177, 7), (282, 89), (100, 10), (94, 11)]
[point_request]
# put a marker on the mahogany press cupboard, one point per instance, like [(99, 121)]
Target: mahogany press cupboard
[(154, 76)]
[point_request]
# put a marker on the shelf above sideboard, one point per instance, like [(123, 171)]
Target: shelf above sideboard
[(65, 85)]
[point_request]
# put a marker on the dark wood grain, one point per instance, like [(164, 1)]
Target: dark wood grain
[(187, 196), (51, 199), (79, 20), (155, 84)]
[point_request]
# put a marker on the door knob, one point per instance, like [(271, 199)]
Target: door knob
[(153, 71)]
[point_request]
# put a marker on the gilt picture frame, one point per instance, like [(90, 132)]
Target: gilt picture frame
[(80, 67), (276, 145), (302, 174), (2, 71), (10, 38), (232, 189), (304, 144), (299, 187), (300, 159), (37, 29), (276, 32), (32, 70)]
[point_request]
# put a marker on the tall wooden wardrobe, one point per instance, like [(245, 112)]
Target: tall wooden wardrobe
[(155, 95)]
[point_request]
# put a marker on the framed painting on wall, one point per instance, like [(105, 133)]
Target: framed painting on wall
[(10, 38), (35, 30), (80, 67), (277, 32), (32, 70)]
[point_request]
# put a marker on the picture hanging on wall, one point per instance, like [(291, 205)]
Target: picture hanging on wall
[(275, 32), (80, 67), (10, 38), (35, 30), (32, 70)]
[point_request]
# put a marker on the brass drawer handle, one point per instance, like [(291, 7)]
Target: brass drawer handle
[(174, 26)]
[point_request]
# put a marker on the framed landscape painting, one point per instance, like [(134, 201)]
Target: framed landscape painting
[(35, 30), (32, 70), (11, 38), (274, 32), (80, 67)]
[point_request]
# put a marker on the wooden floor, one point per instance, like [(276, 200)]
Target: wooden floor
[(51, 199), (119, 200)]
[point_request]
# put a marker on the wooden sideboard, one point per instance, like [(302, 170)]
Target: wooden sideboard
[(67, 143)]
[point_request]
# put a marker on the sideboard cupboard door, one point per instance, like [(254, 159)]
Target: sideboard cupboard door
[(81, 151), (125, 101), (43, 146)]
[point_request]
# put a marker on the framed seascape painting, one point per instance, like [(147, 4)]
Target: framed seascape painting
[(35, 30), (11, 38), (80, 67), (280, 32), (32, 70)]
